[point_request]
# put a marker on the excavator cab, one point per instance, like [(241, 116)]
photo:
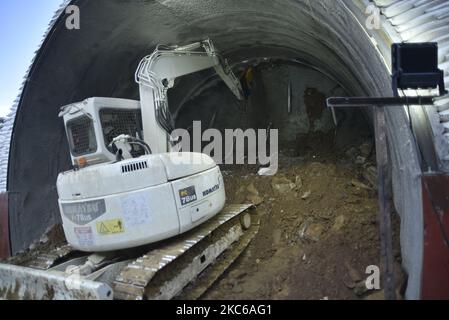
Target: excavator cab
[(92, 125)]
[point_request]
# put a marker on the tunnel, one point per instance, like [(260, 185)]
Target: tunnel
[(319, 48)]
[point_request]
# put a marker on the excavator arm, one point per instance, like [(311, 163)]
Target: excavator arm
[(161, 68), (157, 73)]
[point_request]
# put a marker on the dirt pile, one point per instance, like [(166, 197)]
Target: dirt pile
[(52, 239), (319, 228)]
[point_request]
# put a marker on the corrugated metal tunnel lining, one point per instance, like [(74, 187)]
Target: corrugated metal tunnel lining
[(100, 60)]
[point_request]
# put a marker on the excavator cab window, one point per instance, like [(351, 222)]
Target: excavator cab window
[(81, 136), (116, 122)]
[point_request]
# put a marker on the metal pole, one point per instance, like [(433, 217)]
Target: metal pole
[(338, 102), (385, 193)]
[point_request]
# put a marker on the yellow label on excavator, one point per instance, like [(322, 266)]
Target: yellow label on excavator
[(110, 227)]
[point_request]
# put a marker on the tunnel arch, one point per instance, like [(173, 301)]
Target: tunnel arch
[(101, 57)]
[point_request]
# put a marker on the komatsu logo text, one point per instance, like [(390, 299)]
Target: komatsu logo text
[(211, 190)]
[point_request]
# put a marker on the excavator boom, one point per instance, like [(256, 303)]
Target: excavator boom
[(156, 74)]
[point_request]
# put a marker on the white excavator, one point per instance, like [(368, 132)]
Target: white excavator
[(130, 193)]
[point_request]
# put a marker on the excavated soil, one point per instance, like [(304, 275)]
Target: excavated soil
[(52, 239), (319, 227)]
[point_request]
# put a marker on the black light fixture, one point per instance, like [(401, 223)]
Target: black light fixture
[(415, 66)]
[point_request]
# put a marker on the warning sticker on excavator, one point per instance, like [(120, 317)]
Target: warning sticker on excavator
[(108, 227)]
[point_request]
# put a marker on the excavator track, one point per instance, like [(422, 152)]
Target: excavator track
[(46, 261), (163, 273), (205, 281)]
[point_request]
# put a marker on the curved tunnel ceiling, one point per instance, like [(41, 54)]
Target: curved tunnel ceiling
[(101, 57)]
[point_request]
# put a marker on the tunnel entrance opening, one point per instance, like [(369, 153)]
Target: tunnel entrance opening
[(100, 60)]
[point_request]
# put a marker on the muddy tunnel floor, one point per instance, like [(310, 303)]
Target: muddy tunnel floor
[(319, 227)]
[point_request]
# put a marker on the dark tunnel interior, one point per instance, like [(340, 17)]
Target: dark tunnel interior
[(317, 48)]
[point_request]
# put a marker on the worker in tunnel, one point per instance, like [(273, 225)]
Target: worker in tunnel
[(246, 80)]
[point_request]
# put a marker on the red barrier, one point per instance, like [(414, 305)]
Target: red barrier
[(435, 278), (5, 248)]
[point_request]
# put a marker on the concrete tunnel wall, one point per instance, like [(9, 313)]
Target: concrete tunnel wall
[(101, 57)]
